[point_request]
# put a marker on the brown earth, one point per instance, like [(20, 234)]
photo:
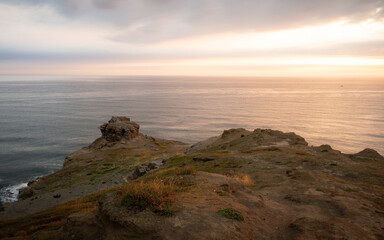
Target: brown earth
[(277, 186)]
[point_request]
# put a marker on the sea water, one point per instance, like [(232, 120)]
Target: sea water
[(45, 118)]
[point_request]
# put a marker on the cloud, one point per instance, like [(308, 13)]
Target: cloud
[(148, 21)]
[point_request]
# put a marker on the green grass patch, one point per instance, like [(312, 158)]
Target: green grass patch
[(231, 214), (107, 167)]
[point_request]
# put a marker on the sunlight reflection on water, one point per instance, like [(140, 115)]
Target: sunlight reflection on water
[(43, 121)]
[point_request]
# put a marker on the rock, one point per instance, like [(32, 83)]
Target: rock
[(234, 131), (33, 181), (141, 170), (368, 154), (118, 129), (325, 148), (26, 192), (269, 137), (203, 159), (155, 164)]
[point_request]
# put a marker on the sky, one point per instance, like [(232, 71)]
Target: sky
[(293, 38)]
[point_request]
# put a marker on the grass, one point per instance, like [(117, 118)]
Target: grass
[(157, 190), (188, 170), (246, 180), (50, 219), (157, 195), (165, 173), (231, 214), (107, 167)]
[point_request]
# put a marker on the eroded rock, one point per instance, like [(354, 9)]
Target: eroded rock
[(119, 128), (143, 169)]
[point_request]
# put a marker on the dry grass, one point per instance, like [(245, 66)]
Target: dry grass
[(50, 219), (47, 220), (158, 195), (166, 173), (246, 180), (188, 170)]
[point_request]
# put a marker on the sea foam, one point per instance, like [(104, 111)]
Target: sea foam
[(10, 193)]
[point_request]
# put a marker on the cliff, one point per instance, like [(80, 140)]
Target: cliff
[(261, 184)]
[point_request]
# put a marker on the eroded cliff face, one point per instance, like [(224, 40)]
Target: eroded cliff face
[(117, 131), (119, 128), (121, 154), (261, 184)]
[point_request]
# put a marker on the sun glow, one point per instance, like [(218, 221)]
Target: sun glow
[(307, 38), (63, 46)]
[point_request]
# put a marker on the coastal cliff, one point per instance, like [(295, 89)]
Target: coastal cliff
[(260, 184)]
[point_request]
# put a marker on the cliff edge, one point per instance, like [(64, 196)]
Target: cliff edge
[(260, 184)]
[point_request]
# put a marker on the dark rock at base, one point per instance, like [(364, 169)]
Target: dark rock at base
[(26, 192)]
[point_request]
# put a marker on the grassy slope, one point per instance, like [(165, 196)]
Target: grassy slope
[(325, 187)]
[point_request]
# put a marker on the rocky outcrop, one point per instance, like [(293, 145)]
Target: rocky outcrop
[(274, 137), (258, 139), (368, 154), (119, 128), (143, 169), (26, 192)]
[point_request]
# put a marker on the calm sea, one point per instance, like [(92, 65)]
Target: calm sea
[(46, 118)]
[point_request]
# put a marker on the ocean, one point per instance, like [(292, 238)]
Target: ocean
[(45, 118)]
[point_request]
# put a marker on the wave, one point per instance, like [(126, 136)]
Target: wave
[(10, 193)]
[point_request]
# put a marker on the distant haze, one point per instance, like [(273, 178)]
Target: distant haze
[(338, 38)]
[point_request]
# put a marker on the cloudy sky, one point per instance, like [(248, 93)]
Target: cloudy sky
[(340, 38)]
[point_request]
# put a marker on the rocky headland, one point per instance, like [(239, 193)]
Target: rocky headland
[(261, 184)]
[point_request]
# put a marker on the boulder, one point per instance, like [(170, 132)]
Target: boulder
[(143, 169), (118, 129)]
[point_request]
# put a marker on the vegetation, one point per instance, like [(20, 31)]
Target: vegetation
[(231, 214), (157, 195), (107, 167), (246, 180), (50, 219)]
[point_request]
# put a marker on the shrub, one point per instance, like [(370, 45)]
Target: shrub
[(231, 214), (156, 195)]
